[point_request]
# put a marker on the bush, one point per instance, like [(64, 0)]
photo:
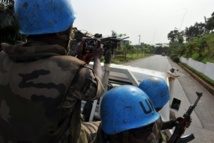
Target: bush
[(195, 56), (175, 58)]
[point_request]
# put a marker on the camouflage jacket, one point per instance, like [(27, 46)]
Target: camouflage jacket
[(154, 137), (89, 131), (40, 93)]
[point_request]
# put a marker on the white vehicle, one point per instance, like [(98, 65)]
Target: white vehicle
[(116, 75)]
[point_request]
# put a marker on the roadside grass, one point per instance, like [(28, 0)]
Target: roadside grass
[(120, 59), (201, 75)]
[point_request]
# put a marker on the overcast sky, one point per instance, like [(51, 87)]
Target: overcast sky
[(151, 19)]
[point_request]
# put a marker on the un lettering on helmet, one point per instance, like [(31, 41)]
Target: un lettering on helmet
[(126, 107)]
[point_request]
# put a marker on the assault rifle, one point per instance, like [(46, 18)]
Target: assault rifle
[(109, 45), (181, 127)]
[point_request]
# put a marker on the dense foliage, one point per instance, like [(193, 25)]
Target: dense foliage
[(196, 41)]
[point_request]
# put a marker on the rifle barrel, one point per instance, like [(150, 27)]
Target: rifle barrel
[(179, 130), (192, 107)]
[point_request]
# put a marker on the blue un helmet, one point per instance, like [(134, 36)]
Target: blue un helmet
[(43, 16), (126, 107), (157, 90)]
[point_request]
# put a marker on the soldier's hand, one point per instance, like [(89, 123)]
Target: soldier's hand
[(79, 49), (184, 121), (97, 50), (188, 121)]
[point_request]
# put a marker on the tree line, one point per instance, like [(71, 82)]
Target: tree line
[(196, 30), (196, 41)]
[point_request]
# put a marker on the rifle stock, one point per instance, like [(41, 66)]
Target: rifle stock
[(181, 127)]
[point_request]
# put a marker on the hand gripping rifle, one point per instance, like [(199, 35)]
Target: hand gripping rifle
[(181, 127)]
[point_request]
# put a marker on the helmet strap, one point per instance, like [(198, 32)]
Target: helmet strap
[(69, 38), (65, 38)]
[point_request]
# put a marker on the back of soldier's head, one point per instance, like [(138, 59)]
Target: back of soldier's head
[(126, 107), (157, 90), (127, 111)]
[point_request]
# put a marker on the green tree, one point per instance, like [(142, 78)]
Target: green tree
[(191, 47), (199, 42), (195, 31), (147, 49), (175, 36), (210, 23)]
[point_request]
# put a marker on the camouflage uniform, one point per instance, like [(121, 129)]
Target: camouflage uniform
[(154, 137), (89, 130), (41, 93)]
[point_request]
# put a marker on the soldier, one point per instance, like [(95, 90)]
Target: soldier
[(40, 87), (127, 116), (158, 92)]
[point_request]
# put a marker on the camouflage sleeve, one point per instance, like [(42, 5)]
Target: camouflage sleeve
[(89, 130), (86, 85), (100, 136)]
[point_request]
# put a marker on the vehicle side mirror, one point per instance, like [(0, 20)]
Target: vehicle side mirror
[(176, 104)]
